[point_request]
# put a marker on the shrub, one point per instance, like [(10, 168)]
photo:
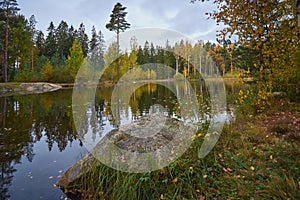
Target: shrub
[(179, 77)]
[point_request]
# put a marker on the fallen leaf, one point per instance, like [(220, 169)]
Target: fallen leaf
[(123, 159), (252, 168)]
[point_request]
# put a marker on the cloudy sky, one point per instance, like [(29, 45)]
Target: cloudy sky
[(177, 15)]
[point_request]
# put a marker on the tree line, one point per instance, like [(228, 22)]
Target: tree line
[(267, 46), (55, 56), (35, 56)]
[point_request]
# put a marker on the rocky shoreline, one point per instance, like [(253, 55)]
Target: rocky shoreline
[(27, 88)]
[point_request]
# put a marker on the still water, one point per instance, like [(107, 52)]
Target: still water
[(38, 140)]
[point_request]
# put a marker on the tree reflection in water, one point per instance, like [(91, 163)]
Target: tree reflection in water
[(27, 119)]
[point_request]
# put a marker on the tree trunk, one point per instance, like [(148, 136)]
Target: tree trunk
[(32, 61), (298, 14), (200, 64), (118, 41), (177, 65), (6, 48)]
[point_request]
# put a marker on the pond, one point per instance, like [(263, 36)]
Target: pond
[(38, 140)]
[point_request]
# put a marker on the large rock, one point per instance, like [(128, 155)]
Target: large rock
[(27, 88), (148, 134), (40, 87)]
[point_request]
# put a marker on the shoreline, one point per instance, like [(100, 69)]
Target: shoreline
[(21, 88)]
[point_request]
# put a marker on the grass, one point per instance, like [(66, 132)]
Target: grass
[(249, 161)]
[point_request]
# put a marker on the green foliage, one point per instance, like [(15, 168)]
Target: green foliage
[(83, 39), (268, 40), (117, 21), (62, 75), (26, 76), (179, 77), (254, 99), (50, 43), (47, 72), (63, 40), (75, 59), (246, 163)]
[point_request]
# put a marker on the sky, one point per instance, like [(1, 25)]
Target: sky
[(177, 15)]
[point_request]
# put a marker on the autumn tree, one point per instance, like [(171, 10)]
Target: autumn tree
[(75, 59), (9, 8), (111, 66), (268, 28), (47, 72), (117, 21)]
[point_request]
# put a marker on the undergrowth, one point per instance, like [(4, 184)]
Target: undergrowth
[(247, 163)]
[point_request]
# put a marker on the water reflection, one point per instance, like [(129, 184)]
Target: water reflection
[(46, 119), (25, 120)]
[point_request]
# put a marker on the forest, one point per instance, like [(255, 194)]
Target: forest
[(267, 50), (256, 54)]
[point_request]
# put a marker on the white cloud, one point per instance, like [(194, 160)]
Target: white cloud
[(178, 15)]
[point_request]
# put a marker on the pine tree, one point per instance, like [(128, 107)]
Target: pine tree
[(34, 51), (97, 50), (62, 37), (9, 7), (40, 42), (93, 41), (50, 43), (117, 21), (82, 37)]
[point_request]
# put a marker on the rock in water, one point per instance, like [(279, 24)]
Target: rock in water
[(146, 135)]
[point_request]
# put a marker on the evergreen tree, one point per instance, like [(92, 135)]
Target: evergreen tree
[(146, 53), (40, 42), (63, 42), (34, 50), (83, 39), (117, 21), (93, 41), (133, 43), (97, 50), (20, 44), (9, 8), (50, 43), (140, 56)]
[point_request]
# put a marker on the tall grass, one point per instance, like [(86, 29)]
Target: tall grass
[(247, 163)]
